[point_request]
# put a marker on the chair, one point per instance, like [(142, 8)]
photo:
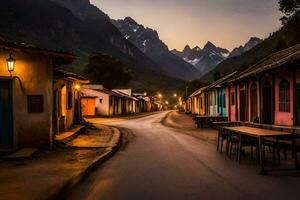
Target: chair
[(277, 144)]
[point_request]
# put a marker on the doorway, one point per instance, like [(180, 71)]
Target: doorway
[(298, 104), (253, 100), (267, 105), (6, 115), (243, 105)]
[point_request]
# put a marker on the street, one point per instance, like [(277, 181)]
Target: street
[(161, 162)]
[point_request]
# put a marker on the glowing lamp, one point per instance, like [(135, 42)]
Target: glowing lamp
[(77, 87), (10, 63)]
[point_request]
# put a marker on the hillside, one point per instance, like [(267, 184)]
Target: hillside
[(286, 37), (79, 27)]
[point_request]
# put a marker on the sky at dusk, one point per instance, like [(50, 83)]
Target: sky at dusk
[(226, 23)]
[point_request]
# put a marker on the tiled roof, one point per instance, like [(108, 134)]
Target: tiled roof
[(18, 45), (109, 92), (273, 61), (67, 74)]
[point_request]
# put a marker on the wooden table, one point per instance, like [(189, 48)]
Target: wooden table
[(260, 134)]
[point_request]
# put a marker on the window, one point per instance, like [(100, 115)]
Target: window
[(232, 97), (100, 100), (35, 103), (284, 96), (70, 96)]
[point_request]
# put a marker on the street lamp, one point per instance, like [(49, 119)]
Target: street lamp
[(10, 63), (77, 87), (175, 95)]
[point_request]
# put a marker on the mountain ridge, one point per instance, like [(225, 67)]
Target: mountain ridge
[(206, 59), (285, 37), (80, 28), (148, 41)]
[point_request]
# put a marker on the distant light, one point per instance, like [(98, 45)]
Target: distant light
[(167, 102), (77, 87), (175, 95)]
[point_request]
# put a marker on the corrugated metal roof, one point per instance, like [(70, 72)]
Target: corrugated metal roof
[(197, 92), (221, 80)]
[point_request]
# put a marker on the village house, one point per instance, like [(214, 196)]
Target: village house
[(26, 94), (66, 100), (130, 103), (142, 102), (269, 91), (96, 100), (216, 97), (196, 103)]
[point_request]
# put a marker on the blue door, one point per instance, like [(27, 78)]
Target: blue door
[(224, 102), (6, 125)]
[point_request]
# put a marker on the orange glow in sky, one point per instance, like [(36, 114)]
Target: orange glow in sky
[(226, 23)]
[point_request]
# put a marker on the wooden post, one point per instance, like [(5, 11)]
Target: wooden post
[(229, 103), (273, 99), (217, 100), (260, 100), (247, 100), (236, 104), (294, 98)]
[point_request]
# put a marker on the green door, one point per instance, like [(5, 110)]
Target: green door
[(6, 130)]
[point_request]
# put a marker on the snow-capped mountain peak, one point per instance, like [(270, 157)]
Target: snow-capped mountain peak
[(148, 41), (203, 59), (210, 56)]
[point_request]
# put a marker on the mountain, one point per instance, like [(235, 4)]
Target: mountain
[(249, 45), (285, 37), (148, 41), (79, 27), (203, 59), (206, 59)]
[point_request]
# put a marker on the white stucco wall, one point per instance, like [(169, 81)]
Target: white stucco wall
[(101, 108)]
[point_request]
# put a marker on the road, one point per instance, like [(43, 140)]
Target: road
[(166, 163)]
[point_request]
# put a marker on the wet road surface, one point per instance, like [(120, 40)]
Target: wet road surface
[(165, 163)]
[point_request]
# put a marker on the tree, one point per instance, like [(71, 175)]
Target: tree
[(194, 85), (217, 75), (106, 70), (289, 8)]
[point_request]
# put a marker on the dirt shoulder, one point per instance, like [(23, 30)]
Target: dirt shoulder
[(185, 124)]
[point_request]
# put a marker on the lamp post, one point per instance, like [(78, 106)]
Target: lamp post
[(10, 63), (159, 95)]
